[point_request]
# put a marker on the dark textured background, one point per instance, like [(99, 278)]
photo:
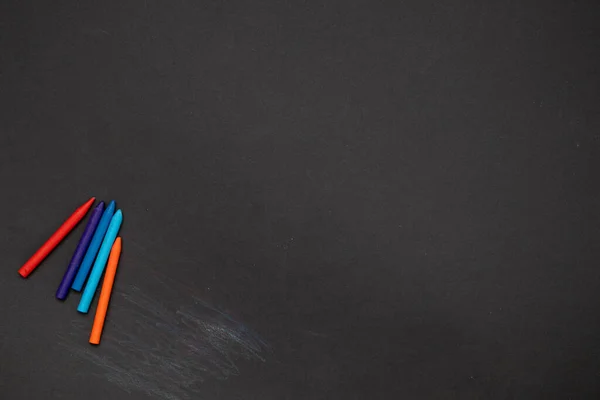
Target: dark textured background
[(399, 197)]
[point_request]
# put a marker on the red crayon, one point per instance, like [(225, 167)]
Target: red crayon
[(55, 239)]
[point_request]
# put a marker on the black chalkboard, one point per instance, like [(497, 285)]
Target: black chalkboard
[(322, 199)]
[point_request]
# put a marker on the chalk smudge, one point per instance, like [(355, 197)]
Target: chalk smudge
[(163, 351)]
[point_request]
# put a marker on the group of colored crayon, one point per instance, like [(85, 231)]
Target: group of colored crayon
[(98, 246)]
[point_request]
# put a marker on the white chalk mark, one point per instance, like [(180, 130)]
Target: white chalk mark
[(166, 352)]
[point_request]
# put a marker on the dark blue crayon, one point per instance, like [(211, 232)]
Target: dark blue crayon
[(82, 246), (92, 251)]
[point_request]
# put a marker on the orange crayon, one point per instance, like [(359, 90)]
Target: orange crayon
[(107, 284)]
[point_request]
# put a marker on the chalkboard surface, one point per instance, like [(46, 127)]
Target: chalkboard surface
[(322, 199)]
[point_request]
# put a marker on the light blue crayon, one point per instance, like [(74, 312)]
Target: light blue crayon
[(90, 255), (100, 264)]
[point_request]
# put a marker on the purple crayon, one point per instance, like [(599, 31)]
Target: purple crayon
[(84, 242)]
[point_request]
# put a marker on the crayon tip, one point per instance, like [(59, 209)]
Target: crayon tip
[(100, 206), (86, 206), (89, 203), (111, 206)]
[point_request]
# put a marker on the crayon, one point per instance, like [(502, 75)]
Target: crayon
[(55, 239), (100, 264), (84, 242), (90, 255), (107, 284)]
